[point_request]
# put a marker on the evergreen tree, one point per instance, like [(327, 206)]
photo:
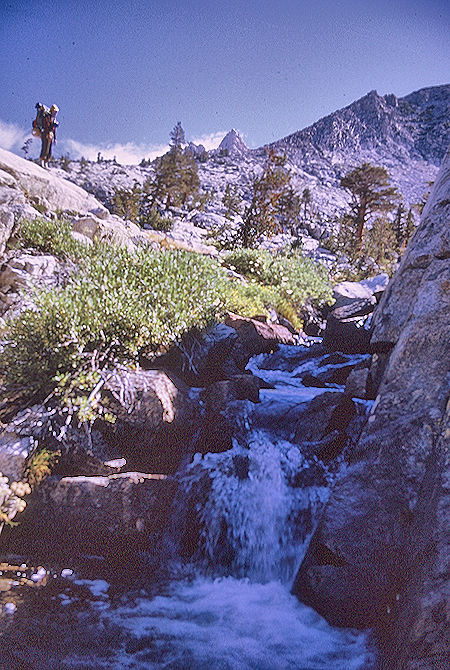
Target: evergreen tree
[(371, 193), (126, 203), (232, 201), (177, 136), (176, 182), (260, 217), (289, 206)]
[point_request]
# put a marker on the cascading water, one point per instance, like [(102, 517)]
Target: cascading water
[(249, 513), (252, 511)]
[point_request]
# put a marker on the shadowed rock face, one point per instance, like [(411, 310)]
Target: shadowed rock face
[(376, 558)]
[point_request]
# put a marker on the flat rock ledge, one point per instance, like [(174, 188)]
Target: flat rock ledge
[(107, 516)]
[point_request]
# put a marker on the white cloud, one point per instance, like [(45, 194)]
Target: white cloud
[(131, 153), (212, 140), (127, 154), (12, 136)]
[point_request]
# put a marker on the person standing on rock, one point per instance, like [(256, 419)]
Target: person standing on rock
[(46, 123)]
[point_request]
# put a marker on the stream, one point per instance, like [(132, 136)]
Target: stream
[(241, 524)]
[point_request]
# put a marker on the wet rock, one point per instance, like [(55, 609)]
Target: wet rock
[(155, 419), (224, 408), (327, 412), (358, 383), (346, 335), (257, 337), (121, 513)]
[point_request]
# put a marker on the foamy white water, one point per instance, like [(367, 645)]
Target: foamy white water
[(232, 624)]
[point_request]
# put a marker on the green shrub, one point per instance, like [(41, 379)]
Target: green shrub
[(151, 217), (115, 308), (50, 236), (296, 280)]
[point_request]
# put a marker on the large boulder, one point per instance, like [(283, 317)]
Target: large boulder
[(202, 358), (155, 419), (379, 555), (258, 337), (45, 191), (114, 516)]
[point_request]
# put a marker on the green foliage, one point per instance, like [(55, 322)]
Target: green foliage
[(369, 186), (126, 203), (295, 280), (119, 306), (261, 216), (50, 236), (115, 308), (176, 182), (40, 465), (150, 217)]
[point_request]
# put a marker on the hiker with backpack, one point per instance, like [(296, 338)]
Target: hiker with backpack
[(44, 126)]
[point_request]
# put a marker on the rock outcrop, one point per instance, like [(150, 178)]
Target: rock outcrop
[(42, 190), (113, 517), (378, 557)]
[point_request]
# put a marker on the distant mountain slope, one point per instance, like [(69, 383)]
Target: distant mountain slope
[(408, 136), (417, 126)]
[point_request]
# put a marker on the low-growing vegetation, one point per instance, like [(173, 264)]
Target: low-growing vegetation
[(120, 305), (291, 280)]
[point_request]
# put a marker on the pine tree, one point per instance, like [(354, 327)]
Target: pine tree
[(177, 136), (176, 182), (260, 217), (371, 193), (232, 201)]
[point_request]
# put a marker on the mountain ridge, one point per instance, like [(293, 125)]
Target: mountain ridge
[(408, 136)]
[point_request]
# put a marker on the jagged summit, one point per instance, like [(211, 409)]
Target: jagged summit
[(233, 144), (415, 126)]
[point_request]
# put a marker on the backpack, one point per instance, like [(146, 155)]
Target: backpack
[(38, 126)]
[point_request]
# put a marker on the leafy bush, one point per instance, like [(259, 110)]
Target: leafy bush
[(116, 307), (50, 236), (296, 279), (119, 306)]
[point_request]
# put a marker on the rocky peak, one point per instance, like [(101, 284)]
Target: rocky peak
[(233, 144), (402, 126)]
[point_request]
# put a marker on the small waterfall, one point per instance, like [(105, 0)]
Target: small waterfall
[(241, 524), (253, 522)]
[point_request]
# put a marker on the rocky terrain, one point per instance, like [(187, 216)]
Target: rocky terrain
[(380, 555), (373, 431), (408, 136)]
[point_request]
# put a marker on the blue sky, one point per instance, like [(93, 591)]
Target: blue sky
[(123, 73)]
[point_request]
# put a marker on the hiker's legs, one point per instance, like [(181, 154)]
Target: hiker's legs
[(46, 149)]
